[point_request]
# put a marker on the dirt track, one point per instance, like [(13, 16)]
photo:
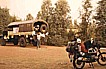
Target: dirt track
[(47, 57)]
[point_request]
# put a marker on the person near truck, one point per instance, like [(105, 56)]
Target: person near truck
[(38, 40)]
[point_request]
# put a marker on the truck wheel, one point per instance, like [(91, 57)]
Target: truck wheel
[(43, 28), (15, 41), (3, 42), (22, 42)]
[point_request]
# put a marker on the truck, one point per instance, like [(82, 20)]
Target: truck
[(24, 32)]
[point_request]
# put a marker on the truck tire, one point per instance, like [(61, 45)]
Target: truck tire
[(22, 42), (15, 42), (43, 28), (3, 42)]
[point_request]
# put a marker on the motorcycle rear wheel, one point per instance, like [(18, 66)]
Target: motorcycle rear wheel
[(78, 64), (102, 59)]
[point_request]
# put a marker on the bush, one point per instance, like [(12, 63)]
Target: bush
[(57, 40)]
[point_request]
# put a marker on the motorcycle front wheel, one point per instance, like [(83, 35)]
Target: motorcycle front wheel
[(78, 64), (102, 59)]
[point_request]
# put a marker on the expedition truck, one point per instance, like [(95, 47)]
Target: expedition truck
[(24, 32)]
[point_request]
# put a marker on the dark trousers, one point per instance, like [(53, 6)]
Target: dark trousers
[(38, 43)]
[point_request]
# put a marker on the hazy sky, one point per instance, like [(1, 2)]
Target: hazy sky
[(21, 8)]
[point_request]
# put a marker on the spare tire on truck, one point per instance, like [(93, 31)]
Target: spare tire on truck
[(43, 28), (22, 42)]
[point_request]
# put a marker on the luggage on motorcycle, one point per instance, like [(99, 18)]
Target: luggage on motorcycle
[(88, 44), (70, 47), (92, 51), (67, 49), (83, 49)]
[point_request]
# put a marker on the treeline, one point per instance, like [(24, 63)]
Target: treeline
[(60, 22), (5, 19), (92, 23), (59, 19)]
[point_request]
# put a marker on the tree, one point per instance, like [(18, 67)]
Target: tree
[(44, 13), (101, 19), (91, 29), (29, 17), (62, 21), (85, 17), (76, 27), (14, 19), (58, 19), (101, 13), (4, 19)]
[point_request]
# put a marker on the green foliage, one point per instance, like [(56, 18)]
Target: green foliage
[(62, 21), (101, 13), (101, 32), (85, 17), (57, 40), (91, 29), (71, 35), (29, 17), (14, 19), (44, 13), (100, 18), (61, 15), (4, 19), (58, 19)]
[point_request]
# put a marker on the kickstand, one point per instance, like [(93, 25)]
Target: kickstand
[(91, 65)]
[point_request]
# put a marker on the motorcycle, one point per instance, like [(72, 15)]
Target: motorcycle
[(93, 54)]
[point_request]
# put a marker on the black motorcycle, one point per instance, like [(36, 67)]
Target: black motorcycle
[(94, 54)]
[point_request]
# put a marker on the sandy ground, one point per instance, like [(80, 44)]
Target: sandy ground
[(46, 57)]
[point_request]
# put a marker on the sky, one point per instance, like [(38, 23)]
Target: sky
[(21, 8)]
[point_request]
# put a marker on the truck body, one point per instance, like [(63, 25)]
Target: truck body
[(24, 32)]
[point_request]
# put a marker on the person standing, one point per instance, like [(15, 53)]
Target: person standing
[(38, 40)]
